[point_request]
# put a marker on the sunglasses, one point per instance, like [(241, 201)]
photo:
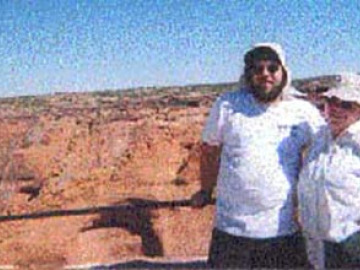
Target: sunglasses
[(341, 103), (271, 68)]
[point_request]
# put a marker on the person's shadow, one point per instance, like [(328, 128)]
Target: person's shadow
[(137, 219)]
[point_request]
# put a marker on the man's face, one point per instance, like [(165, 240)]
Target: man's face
[(341, 114), (266, 78)]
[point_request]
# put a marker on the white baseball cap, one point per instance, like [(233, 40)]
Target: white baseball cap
[(345, 93)]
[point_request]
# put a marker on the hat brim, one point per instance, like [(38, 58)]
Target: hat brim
[(351, 94)]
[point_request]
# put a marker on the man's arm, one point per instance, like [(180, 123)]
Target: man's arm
[(209, 168)]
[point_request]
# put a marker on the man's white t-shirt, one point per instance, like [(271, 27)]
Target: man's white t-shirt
[(260, 161)]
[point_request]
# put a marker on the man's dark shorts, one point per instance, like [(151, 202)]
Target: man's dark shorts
[(228, 251), (345, 254)]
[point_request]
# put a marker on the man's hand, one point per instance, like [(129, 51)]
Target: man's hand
[(200, 198)]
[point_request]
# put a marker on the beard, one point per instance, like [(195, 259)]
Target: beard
[(266, 97)]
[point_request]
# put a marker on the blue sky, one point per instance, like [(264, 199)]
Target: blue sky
[(49, 46)]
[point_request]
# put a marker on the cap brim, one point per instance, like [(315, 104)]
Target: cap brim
[(344, 93)]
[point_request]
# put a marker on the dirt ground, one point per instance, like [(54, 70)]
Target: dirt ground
[(99, 184)]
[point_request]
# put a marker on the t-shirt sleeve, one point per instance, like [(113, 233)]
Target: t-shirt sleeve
[(318, 135), (213, 130), (315, 123)]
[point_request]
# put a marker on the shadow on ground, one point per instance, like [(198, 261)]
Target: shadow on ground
[(136, 219)]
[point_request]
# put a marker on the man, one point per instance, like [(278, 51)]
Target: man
[(329, 188), (260, 133)]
